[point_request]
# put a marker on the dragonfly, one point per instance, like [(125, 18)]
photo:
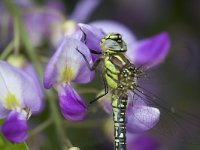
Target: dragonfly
[(120, 76)]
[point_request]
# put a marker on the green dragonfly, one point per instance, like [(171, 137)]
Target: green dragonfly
[(121, 76)]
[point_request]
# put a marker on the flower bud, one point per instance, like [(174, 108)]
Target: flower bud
[(74, 148)]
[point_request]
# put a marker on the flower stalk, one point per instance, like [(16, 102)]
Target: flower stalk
[(7, 51)]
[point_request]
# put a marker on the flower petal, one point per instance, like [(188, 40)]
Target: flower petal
[(29, 68), (20, 86), (39, 22), (141, 142), (151, 51), (83, 9), (141, 118), (67, 64), (93, 36), (32, 90), (15, 127), (71, 104), (109, 26), (3, 112)]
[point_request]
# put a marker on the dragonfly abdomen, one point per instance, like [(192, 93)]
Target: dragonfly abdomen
[(119, 117)]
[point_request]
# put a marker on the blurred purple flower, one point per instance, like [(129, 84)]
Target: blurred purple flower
[(83, 9), (141, 142), (66, 66), (19, 97), (40, 22), (50, 23), (6, 20)]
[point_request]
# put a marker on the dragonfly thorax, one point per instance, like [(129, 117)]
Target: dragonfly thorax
[(127, 78), (113, 43)]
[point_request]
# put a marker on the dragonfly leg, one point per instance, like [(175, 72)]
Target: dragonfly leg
[(105, 88), (96, 63)]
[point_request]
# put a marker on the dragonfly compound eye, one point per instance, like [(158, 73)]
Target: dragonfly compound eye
[(113, 43)]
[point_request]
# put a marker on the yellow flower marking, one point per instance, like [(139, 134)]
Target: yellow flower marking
[(67, 74), (11, 101)]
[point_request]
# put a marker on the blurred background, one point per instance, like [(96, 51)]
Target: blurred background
[(177, 79)]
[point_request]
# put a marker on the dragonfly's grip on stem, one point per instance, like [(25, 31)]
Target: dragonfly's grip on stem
[(119, 117)]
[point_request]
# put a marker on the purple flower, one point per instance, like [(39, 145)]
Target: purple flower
[(83, 9), (39, 23), (15, 127), (50, 23), (20, 61), (19, 97), (141, 142), (66, 66)]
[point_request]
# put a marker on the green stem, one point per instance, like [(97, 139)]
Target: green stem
[(7, 51), (16, 35), (86, 124), (41, 127)]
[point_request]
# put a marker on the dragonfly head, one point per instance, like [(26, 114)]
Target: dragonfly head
[(113, 43)]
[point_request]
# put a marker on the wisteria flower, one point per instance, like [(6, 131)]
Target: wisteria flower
[(50, 23), (67, 66), (19, 98), (21, 62)]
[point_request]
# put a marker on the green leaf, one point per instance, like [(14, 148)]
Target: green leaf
[(6, 145)]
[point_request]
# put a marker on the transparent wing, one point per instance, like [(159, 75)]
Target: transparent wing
[(174, 124)]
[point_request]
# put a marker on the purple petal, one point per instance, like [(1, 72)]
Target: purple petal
[(39, 22), (24, 3), (67, 64), (29, 68), (141, 142), (151, 51), (56, 5), (141, 118), (71, 104), (15, 127), (83, 10), (3, 111), (21, 85), (93, 36), (109, 26)]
